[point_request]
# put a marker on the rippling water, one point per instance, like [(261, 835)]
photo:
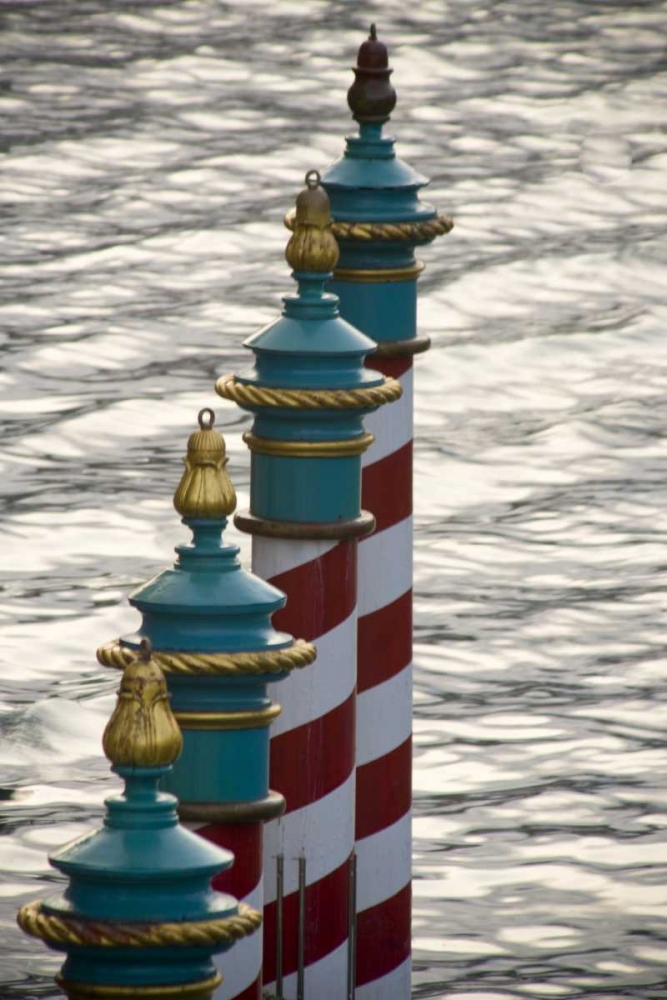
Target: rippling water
[(149, 152)]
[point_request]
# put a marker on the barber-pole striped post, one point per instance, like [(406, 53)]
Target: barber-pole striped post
[(209, 623), (308, 391), (379, 221)]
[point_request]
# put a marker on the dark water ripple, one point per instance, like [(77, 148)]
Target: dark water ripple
[(149, 152)]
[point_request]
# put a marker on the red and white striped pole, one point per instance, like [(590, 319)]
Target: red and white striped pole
[(384, 704), (241, 980), (309, 850), (379, 221), (309, 391)]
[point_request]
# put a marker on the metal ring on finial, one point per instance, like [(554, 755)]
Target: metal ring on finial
[(313, 179), (206, 425)]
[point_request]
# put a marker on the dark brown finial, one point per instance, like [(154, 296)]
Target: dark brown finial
[(371, 97)]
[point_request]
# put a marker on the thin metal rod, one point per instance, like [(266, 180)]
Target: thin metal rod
[(301, 949), (280, 894), (351, 926)]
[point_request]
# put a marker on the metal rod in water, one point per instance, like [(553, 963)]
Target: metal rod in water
[(280, 894), (351, 925), (302, 931)]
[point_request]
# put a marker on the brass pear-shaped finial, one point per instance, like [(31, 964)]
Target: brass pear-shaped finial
[(312, 246), (142, 732), (371, 97), (205, 491)]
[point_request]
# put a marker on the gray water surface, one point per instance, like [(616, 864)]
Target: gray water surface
[(149, 153)]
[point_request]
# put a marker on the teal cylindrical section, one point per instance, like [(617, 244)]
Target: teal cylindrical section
[(222, 766), (129, 967), (386, 310), (208, 604), (305, 489)]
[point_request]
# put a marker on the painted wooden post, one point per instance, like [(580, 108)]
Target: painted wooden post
[(308, 391), (139, 917), (379, 221), (209, 622)]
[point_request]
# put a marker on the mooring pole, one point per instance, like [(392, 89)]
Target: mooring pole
[(308, 392), (139, 917), (209, 622), (379, 222)]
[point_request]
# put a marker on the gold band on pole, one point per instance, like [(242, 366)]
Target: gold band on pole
[(94, 991), (379, 275), (251, 719), (307, 449)]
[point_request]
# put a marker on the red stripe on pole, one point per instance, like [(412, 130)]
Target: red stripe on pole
[(244, 840), (386, 488), (325, 926), (383, 937), (384, 790), (320, 594), (312, 760), (384, 643), (395, 367), (253, 992)]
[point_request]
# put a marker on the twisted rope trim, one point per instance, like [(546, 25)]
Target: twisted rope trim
[(33, 919), (308, 399), (216, 664), (427, 229)]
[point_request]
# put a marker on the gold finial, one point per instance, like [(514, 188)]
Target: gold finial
[(142, 732), (312, 246), (205, 491)]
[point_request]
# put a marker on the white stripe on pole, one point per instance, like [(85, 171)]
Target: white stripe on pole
[(317, 690), (273, 556), (384, 717), (385, 566), (391, 426), (322, 832), (321, 977), (377, 880)]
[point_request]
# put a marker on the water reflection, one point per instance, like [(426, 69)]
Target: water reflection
[(150, 152)]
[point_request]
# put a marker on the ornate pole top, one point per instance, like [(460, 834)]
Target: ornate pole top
[(139, 916), (312, 247), (205, 491), (142, 732), (371, 97)]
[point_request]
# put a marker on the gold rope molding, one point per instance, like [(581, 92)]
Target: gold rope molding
[(40, 923), (216, 664), (427, 229), (308, 399)]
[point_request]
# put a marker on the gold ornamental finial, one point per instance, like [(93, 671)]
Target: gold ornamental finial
[(205, 491), (142, 732), (312, 246)]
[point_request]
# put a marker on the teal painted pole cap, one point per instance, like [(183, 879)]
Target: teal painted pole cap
[(139, 895)]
